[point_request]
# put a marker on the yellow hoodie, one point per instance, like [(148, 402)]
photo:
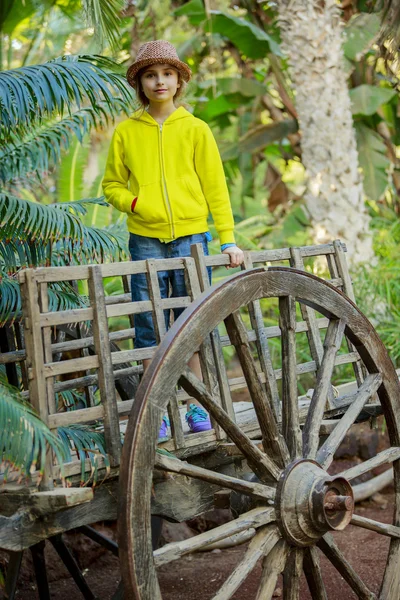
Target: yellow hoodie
[(171, 174)]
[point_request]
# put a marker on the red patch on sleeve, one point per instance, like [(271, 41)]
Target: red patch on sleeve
[(133, 204)]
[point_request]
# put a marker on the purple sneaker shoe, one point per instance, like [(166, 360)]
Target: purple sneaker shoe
[(197, 419), (163, 433)]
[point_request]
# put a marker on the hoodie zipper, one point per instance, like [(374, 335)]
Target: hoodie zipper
[(165, 185)]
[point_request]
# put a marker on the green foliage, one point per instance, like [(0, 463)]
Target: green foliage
[(104, 16), (86, 443), (366, 99), (373, 161), (24, 438), (360, 32)]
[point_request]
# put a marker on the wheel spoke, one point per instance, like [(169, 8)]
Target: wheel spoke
[(312, 571), (254, 518), (261, 464), (335, 556), (175, 465), (367, 389), (261, 544), (383, 528), (292, 574), (273, 565), (290, 408), (333, 340), (273, 442), (386, 456)]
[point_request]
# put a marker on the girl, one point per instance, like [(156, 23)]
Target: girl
[(164, 170)]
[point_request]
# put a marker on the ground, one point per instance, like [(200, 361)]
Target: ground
[(200, 576)]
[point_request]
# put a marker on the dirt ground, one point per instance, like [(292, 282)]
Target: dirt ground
[(198, 577)]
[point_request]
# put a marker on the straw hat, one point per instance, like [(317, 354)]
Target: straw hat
[(158, 51)]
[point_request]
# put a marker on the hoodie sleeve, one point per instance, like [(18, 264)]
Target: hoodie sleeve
[(210, 171), (116, 177)]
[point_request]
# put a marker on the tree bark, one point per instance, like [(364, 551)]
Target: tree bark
[(312, 40)]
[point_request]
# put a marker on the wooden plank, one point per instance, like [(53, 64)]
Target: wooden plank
[(308, 314), (35, 360), (273, 442), (290, 411), (48, 355), (261, 544), (257, 323), (386, 456), (199, 257), (105, 370), (44, 503), (273, 565), (332, 343), (174, 465), (312, 571), (327, 450), (335, 556), (292, 574), (160, 331), (262, 465), (175, 550)]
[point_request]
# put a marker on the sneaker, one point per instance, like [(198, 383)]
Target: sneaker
[(197, 419), (163, 433)]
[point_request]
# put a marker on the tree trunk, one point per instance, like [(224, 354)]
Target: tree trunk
[(312, 40)]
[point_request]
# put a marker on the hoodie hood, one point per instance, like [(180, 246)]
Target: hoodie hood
[(145, 117)]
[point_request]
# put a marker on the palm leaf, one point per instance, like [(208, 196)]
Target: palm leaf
[(24, 438), (37, 149), (391, 23), (85, 442), (103, 15), (33, 92)]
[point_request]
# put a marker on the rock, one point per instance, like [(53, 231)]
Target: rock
[(175, 532)]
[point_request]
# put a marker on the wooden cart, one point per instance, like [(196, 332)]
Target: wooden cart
[(269, 453)]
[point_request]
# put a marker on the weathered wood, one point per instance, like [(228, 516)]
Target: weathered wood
[(333, 340), (42, 503), (105, 372), (314, 340), (383, 528), (273, 565), (365, 490), (13, 569), (160, 331), (292, 574), (368, 388), (273, 442), (72, 566), (23, 530), (254, 518), (335, 556), (290, 411), (312, 571), (261, 544), (240, 485), (263, 466), (257, 323), (386, 456)]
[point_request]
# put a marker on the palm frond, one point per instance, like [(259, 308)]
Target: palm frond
[(85, 442), (391, 22), (33, 92), (37, 149), (24, 438), (103, 16)]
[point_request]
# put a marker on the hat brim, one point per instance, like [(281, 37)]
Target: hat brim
[(182, 67)]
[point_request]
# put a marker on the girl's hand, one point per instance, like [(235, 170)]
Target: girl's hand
[(236, 256)]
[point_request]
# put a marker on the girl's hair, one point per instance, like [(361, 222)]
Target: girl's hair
[(142, 99)]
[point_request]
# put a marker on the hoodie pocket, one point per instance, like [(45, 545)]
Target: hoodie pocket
[(150, 206), (185, 204), (195, 191)]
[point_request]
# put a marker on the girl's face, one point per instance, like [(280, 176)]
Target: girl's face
[(160, 83)]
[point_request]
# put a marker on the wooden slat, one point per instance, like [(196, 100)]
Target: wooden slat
[(386, 456), (290, 411), (382, 528), (273, 565), (105, 372), (308, 314), (292, 574), (273, 442), (313, 573), (35, 360), (198, 255), (257, 323), (333, 340), (160, 331), (327, 450)]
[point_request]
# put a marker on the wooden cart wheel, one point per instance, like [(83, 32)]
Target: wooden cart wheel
[(297, 504)]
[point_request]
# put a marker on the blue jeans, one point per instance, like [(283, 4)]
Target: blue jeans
[(142, 248)]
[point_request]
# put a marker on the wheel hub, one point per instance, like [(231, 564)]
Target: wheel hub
[(309, 503)]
